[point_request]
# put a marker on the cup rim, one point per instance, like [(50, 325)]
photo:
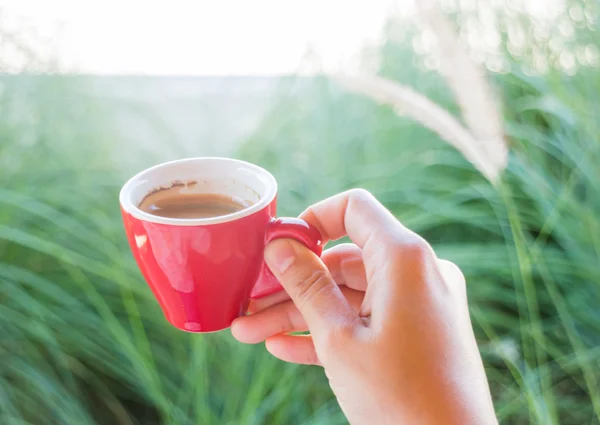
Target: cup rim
[(129, 206)]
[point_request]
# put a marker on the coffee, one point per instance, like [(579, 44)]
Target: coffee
[(175, 202)]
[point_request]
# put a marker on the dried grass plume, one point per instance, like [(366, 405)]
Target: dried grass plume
[(482, 140)]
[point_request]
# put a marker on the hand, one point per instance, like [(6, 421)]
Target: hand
[(388, 320)]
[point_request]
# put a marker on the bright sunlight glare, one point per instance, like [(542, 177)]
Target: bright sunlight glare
[(177, 37)]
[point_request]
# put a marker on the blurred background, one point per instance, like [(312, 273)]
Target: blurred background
[(477, 122)]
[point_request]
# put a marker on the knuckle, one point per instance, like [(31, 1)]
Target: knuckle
[(452, 274), (359, 195), (316, 284), (413, 248), (413, 259), (450, 269)]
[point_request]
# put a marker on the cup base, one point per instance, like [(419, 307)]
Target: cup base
[(205, 332), (196, 328)]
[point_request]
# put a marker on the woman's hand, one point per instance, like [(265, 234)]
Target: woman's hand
[(388, 320)]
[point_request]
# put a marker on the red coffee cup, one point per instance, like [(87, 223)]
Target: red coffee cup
[(204, 271)]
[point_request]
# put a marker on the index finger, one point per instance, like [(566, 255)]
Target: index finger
[(354, 213), (390, 250)]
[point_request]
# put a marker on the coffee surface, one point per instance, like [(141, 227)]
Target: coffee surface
[(174, 203)]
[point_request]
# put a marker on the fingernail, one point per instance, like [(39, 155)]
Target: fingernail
[(280, 255)]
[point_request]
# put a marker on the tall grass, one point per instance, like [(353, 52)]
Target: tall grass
[(530, 247), (83, 342)]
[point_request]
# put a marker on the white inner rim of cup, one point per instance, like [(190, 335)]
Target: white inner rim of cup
[(238, 179)]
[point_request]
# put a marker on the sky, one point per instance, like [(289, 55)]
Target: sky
[(201, 37)]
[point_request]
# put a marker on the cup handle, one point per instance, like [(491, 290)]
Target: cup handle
[(286, 227)]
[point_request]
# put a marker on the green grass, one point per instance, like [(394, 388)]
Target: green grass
[(83, 342)]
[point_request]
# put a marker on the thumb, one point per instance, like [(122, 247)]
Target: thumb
[(309, 284)]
